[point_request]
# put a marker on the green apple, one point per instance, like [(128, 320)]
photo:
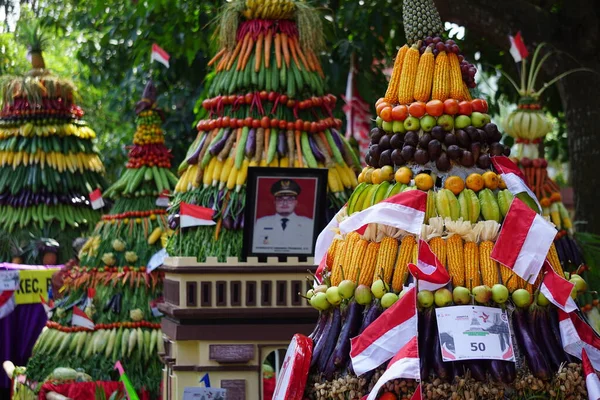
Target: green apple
[(461, 295), (521, 298), (319, 301), (320, 289), (580, 284), (425, 298), (412, 123), (427, 123), (478, 119), (446, 121), (443, 297), (482, 294), (387, 126), (398, 127), (378, 122), (333, 295), (462, 121), (542, 300), (362, 294), (379, 288), (389, 299), (346, 288), (500, 293), (310, 293)]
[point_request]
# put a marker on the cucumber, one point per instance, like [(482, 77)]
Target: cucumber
[(147, 173), (283, 75), (254, 74), (262, 75), (275, 77)]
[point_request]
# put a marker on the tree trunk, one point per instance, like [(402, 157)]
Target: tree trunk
[(573, 29)]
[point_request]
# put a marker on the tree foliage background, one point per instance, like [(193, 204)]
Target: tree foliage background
[(104, 45)]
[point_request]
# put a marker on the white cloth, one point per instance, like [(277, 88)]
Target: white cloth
[(270, 237)]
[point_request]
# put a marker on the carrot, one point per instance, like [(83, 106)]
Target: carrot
[(326, 143), (299, 148), (268, 41), (248, 52), (266, 144), (286, 49), (223, 63), (258, 52), (236, 51), (317, 64), (216, 57), (301, 54), (278, 50), (292, 46)]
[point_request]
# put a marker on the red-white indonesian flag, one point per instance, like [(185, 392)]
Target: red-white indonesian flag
[(386, 336), (430, 272), (7, 302), (524, 241), (517, 47), (158, 54), (81, 319), (577, 335), (591, 378), (405, 211), (557, 289), (417, 395), (191, 215), (96, 199), (405, 364), (513, 177)]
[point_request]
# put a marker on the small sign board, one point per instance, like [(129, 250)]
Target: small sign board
[(474, 333), (203, 393)]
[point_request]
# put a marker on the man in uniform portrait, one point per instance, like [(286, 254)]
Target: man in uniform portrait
[(284, 231)]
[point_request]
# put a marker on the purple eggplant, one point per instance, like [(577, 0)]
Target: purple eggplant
[(251, 143), (282, 144), (316, 333), (477, 369), (442, 369), (497, 370), (547, 342), (535, 359), (338, 140), (320, 344), (555, 327), (315, 149), (349, 330), (426, 338), (458, 368), (370, 315), (219, 144), (510, 369), (193, 159), (330, 340)]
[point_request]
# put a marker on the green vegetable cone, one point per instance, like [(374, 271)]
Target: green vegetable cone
[(112, 286)]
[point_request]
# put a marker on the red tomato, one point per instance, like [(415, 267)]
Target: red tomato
[(248, 122), (434, 108), (381, 106), (299, 125), (290, 126), (313, 127), (234, 123), (386, 114), (388, 396), (306, 126), (272, 96), (274, 123), (212, 124), (265, 122), (263, 95), (451, 107), (283, 124), (291, 103), (379, 101), (249, 97), (206, 104), (226, 121), (283, 99), (399, 113), (417, 109), (317, 101), (465, 108), (255, 123), (479, 105)]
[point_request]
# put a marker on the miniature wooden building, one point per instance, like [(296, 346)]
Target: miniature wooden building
[(225, 318)]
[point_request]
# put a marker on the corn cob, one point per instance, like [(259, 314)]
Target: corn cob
[(408, 76), (456, 260), (456, 82), (424, 80), (441, 77), (386, 259), (438, 246), (369, 263), (489, 267), (472, 265), (466, 92), (336, 269), (511, 280), (391, 94), (358, 255), (555, 261), (331, 253), (405, 256)]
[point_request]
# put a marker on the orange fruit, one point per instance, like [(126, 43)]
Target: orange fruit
[(368, 175), (491, 181), (387, 173), (376, 177), (475, 182), (403, 175), (361, 177), (455, 184), (501, 183), (424, 181)]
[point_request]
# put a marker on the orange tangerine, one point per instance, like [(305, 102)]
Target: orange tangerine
[(491, 181), (376, 177), (455, 184), (424, 181), (387, 173), (475, 182), (403, 175)]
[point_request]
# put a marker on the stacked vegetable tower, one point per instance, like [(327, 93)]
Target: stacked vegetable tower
[(528, 124), (112, 285), (48, 164), (432, 136), (267, 107)]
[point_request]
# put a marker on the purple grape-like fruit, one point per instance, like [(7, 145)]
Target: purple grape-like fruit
[(397, 158), (424, 141), (411, 138), (421, 157), (408, 152)]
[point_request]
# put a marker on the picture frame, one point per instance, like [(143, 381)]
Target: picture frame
[(275, 224)]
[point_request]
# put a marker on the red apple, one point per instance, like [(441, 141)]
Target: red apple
[(400, 113), (479, 105), (434, 108), (451, 107), (465, 108), (417, 109)]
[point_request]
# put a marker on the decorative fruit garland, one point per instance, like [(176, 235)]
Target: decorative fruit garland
[(48, 164), (113, 286), (430, 138), (266, 106)]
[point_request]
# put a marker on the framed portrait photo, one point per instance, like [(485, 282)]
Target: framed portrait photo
[(285, 211)]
